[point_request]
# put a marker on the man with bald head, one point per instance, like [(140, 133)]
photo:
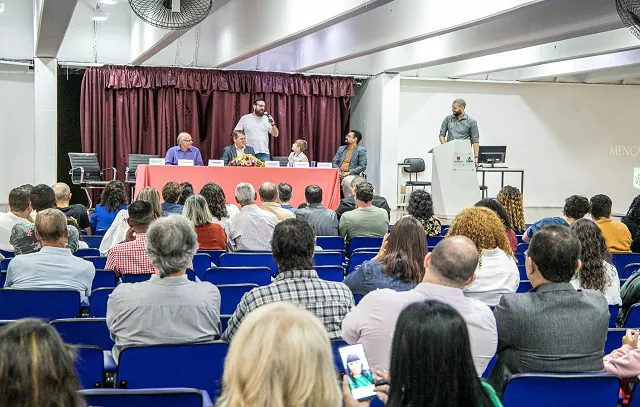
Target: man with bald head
[(75, 211), (460, 126), (54, 266), (269, 196), (183, 151), (448, 269)]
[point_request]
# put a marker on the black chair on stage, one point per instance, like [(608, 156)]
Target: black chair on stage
[(130, 171), (86, 172)]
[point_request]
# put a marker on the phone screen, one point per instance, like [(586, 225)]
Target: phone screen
[(356, 367)]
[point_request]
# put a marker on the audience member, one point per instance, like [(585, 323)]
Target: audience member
[(252, 228), (117, 232), (624, 362), (497, 272), (323, 220), (75, 211), (23, 237), (238, 148), (291, 365), (597, 273), (211, 234), (538, 331), (112, 201), (420, 206), (54, 266), (81, 243), (575, 207), (448, 269), (37, 368), (186, 190), (297, 282), (284, 196), (269, 197), (168, 308), (366, 219), (171, 192), (399, 263), (432, 362), (19, 212), (217, 202), (511, 199), (499, 210), (616, 234), (130, 256), (183, 151), (297, 154), (349, 203), (351, 160), (303, 205), (632, 220)]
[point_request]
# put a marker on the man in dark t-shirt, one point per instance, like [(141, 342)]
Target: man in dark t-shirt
[(76, 211)]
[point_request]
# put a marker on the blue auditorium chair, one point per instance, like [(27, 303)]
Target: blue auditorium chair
[(249, 259), (99, 262), (432, 241), (4, 264), (487, 370), (201, 263), (224, 322), (360, 242), (84, 331), (135, 278), (7, 254), (231, 294), (93, 241), (519, 257), (620, 260), (613, 315), (566, 390), (523, 272), (238, 275), (520, 239), (87, 252), (614, 339), (633, 317), (331, 242), (330, 273), (198, 366), (214, 255), (628, 270), (98, 305), (525, 286), (523, 247), (104, 279), (170, 397), (328, 258), (358, 258), (47, 304), (3, 278), (89, 366)]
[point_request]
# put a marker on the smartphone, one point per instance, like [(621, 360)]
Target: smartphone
[(356, 367)]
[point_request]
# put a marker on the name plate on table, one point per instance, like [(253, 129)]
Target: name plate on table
[(156, 161), (216, 163), (272, 164), (301, 165), (325, 165), (185, 163)]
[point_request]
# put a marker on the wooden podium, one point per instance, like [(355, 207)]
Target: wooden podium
[(454, 182)]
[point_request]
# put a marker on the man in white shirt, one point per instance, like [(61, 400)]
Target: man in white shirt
[(257, 126), (448, 269), (251, 229), (20, 208)]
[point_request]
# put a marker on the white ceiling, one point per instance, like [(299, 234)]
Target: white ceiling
[(574, 41)]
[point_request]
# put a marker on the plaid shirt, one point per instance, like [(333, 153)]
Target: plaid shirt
[(330, 301), (130, 257)]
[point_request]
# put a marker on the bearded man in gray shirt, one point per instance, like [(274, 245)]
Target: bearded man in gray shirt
[(460, 126)]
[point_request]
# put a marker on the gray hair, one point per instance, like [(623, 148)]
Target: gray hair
[(197, 210), (181, 136), (171, 244), (50, 224), (460, 102), (245, 194)]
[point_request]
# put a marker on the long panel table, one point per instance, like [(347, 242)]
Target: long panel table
[(228, 177)]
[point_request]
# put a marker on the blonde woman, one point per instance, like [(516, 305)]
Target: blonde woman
[(297, 154), (511, 198), (497, 272), (280, 357), (117, 232)]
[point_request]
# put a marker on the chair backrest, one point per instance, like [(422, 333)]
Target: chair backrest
[(104, 279), (231, 294), (93, 241), (567, 390), (7, 254), (199, 366), (614, 339), (201, 263), (47, 304), (620, 260), (247, 259), (99, 298), (224, 322), (135, 278), (328, 258), (330, 242), (172, 397), (214, 255), (99, 262), (525, 286), (628, 270), (84, 331), (522, 247), (88, 161), (4, 264), (434, 240), (523, 271), (3, 278), (284, 161), (613, 315), (361, 241), (519, 257), (89, 365), (330, 273), (87, 253), (359, 258), (238, 275), (415, 165), (633, 317), (134, 161)]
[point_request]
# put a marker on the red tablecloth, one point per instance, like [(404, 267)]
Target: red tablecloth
[(228, 177)]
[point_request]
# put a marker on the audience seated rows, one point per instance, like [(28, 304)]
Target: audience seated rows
[(366, 219)]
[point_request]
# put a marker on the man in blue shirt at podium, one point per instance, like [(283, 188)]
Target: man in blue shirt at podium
[(460, 126), (183, 151)]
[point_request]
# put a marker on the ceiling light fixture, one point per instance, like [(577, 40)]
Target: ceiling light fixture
[(108, 2), (98, 14), (1, 7)]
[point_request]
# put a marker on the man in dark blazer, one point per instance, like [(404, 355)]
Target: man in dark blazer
[(553, 327), (239, 147), (351, 159)]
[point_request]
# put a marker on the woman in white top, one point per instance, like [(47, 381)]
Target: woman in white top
[(497, 272), (297, 155), (597, 273)]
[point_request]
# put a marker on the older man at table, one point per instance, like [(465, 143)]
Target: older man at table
[(238, 148), (351, 160), (183, 151)]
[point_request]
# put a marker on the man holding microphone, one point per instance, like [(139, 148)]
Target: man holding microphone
[(257, 126), (460, 126)]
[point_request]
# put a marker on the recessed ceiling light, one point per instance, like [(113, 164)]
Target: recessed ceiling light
[(108, 2)]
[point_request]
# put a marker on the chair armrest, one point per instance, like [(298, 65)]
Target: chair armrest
[(126, 174), (110, 169), (81, 172)]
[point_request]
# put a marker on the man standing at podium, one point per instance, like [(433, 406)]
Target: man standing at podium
[(460, 126)]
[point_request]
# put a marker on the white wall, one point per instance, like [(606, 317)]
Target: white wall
[(561, 134), (365, 116), (17, 114)]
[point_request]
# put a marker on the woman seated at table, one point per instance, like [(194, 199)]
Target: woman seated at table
[(297, 155), (211, 235)]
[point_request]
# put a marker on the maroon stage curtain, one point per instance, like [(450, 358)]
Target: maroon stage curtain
[(141, 110)]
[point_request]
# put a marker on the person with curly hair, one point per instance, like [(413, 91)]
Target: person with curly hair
[(495, 206), (112, 201), (216, 201), (511, 198), (616, 234), (187, 191), (171, 192), (597, 272), (575, 207), (420, 206), (497, 272)]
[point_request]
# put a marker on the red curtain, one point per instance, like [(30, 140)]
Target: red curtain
[(141, 110)]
